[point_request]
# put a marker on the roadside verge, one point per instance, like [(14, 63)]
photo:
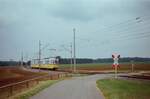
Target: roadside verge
[(124, 89), (32, 91)]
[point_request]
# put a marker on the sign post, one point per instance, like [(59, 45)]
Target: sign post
[(116, 71), (115, 64), (132, 66)]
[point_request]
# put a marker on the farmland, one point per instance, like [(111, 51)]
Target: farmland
[(13, 74), (140, 66), (14, 80)]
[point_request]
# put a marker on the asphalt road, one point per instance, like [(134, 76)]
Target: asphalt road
[(74, 88)]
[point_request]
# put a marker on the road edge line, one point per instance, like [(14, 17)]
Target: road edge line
[(100, 92)]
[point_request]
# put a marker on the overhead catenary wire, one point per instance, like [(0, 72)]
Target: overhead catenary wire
[(134, 30), (36, 54), (131, 29), (143, 35), (130, 32), (124, 24), (128, 28), (111, 27), (136, 34)]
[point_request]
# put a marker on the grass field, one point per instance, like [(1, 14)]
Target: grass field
[(28, 93), (124, 89), (108, 66)]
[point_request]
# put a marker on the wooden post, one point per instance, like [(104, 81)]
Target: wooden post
[(11, 90), (132, 66), (58, 76), (37, 81), (27, 84), (116, 71), (51, 77)]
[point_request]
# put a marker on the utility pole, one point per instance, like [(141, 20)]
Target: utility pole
[(39, 54), (26, 56), (71, 56), (22, 59), (74, 40)]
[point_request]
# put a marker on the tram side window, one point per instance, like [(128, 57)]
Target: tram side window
[(46, 62), (40, 62), (52, 62), (56, 61), (34, 62)]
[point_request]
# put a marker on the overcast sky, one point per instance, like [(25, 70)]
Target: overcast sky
[(102, 27)]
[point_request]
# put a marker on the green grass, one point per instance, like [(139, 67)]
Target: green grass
[(28, 93), (124, 89)]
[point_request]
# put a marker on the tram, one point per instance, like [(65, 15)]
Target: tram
[(45, 63)]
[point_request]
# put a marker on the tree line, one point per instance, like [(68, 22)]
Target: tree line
[(13, 63), (103, 60), (80, 61)]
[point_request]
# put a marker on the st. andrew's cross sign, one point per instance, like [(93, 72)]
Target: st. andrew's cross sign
[(115, 64)]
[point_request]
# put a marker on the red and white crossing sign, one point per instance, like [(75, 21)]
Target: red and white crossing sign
[(115, 58), (115, 64)]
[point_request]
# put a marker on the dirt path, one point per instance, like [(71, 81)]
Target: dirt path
[(75, 88)]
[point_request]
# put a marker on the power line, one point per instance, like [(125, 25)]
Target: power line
[(129, 22), (131, 29), (131, 35), (143, 35), (128, 28), (108, 28), (136, 30)]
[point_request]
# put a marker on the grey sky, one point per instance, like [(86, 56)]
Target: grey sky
[(24, 22)]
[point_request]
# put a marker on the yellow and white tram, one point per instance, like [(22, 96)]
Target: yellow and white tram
[(45, 63)]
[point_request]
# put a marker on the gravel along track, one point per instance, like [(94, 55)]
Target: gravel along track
[(75, 88)]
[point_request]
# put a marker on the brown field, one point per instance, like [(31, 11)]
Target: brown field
[(13, 74), (104, 67), (14, 80)]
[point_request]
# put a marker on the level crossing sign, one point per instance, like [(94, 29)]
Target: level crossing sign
[(115, 58), (115, 65)]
